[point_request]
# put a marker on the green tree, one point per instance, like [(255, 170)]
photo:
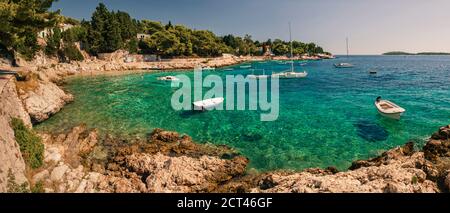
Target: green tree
[(132, 45), (21, 20), (151, 27), (127, 25), (164, 43), (53, 42), (75, 34), (112, 35), (205, 43), (280, 47), (184, 34)]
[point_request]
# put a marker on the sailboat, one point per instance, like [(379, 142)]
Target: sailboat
[(342, 64), (291, 73)]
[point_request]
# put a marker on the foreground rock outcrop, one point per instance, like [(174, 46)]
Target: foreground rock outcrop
[(80, 161), (165, 162), (41, 97), (12, 164)]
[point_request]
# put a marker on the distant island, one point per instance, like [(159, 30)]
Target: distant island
[(421, 53)]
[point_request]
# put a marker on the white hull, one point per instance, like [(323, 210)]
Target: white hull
[(168, 78), (389, 109), (290, 75), (343, 65), (395, 116), (207, 104), (208, 68)]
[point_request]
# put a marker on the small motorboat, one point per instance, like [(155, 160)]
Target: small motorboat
[(290, 74), (372, 72), (245, 66), (389, 109), (207, 104), (168, 78), (208, 68), (343, 65)]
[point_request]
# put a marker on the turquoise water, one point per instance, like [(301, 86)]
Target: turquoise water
[(327, 119)]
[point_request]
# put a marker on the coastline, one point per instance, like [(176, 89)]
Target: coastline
[(80, 157)]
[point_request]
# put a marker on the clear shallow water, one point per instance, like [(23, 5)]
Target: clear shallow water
[(327, 119)]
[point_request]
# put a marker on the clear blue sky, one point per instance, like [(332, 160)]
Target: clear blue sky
[(373, 27)]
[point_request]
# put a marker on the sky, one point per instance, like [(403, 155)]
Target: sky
[(372, 26)]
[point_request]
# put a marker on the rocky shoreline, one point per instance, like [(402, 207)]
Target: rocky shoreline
[(83, 161)]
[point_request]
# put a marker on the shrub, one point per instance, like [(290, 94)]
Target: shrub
[(38, 188), (13, 186), (29, 142), (70, 53)]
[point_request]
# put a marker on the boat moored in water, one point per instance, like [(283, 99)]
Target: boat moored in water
[(290, 74), (245, 66), (389, 109), (207, 104), (168, 78), (208, 68), (343, 65)]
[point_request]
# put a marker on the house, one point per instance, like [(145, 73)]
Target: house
[(49, 31), (142, 36)]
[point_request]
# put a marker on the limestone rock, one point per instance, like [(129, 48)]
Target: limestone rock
[(184, 174), (10, 155), (58, 173), (44, 100)]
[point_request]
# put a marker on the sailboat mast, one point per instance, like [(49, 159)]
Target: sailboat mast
[(290, 41), (346, 40)]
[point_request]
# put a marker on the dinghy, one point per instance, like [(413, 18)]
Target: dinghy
[(168, 78), (290, 74), (207, 104), (343, 65), (388, 109), (208, 68), (245, 66)]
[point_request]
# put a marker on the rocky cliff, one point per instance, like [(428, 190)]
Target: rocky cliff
[(12, 165)]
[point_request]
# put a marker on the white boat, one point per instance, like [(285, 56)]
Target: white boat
[(291, 73), (208, 68), (389, 109), (344, 65), (207, 104), (245, 66), (168, 78)]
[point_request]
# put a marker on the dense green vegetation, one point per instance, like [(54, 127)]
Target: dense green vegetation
[(108, 31), (29, 142), (421, 53), (21, 20), (397, 53)]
